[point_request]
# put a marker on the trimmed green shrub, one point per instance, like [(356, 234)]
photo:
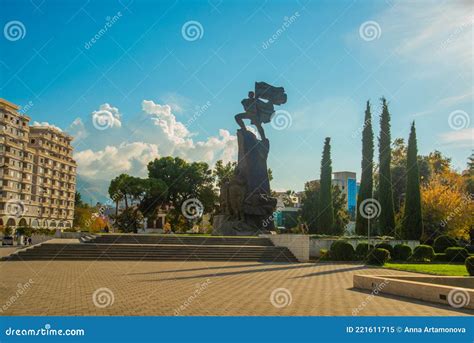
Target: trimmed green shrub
[(440, 257), (341, 251), (378, 256), (362, 250), (385, 246), (470, 249), (324, 254), (401, 252), (470, 265), (456, 254), (441, 243), (423, 253)]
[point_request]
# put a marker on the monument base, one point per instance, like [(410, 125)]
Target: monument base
[(223, 226)]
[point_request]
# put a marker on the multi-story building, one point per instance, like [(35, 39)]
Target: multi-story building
[(347, 183), (37, 173)]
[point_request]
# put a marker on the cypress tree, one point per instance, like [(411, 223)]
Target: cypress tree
[(367, 164), (326, 213), (412, 227), (387, 215)]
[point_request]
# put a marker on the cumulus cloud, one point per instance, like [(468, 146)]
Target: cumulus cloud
[(110, 161), (155, 133), (44, 123), (107, 116)]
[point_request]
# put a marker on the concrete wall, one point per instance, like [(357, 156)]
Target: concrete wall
[(297, 244), (431, 292), (316, 244)]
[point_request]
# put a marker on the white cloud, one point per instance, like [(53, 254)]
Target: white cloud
[(154, 133), (430, 32), (44, 123), (460, 138), (107, 116), (110, 161)]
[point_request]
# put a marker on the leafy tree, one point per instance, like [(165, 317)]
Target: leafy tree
[(78, 200), (469, 175), (129, 220), (447, 207), (222, 172), (326, 210), (387, 215), (412, 222), (367, 164), (83, 218), (310, 209)]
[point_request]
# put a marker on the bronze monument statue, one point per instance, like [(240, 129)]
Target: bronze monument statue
[(246, 204)]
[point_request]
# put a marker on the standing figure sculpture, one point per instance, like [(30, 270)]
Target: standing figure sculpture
[(259, 111), (246, 204)]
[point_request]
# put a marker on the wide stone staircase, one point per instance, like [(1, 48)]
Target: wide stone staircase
[(160, 248)]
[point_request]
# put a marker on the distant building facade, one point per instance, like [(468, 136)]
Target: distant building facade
[(37, 173)]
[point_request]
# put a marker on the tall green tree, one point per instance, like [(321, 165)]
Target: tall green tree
[(412, 226), (326, 211), (387, 215), (367, 164)]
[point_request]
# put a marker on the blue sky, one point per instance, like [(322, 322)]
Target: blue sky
[(165, 93)]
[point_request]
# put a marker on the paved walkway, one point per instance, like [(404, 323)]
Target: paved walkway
[(195, 288)]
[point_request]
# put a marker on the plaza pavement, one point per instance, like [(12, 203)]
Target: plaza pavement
[(196, 288)]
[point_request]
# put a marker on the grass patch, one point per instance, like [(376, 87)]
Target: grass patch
[(436, 269)]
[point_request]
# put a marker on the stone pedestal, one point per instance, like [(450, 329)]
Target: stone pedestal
[(246, 203)]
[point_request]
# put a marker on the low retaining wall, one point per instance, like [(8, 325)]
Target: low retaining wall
[(316, 244), (456, 297), (297, 244)]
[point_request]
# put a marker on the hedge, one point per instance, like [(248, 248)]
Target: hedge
[(362, 250), (341, 251), (378, 256), (423, 253), (401, 252), (385, 246), (456, 254), (441, 243), (470, 265)]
